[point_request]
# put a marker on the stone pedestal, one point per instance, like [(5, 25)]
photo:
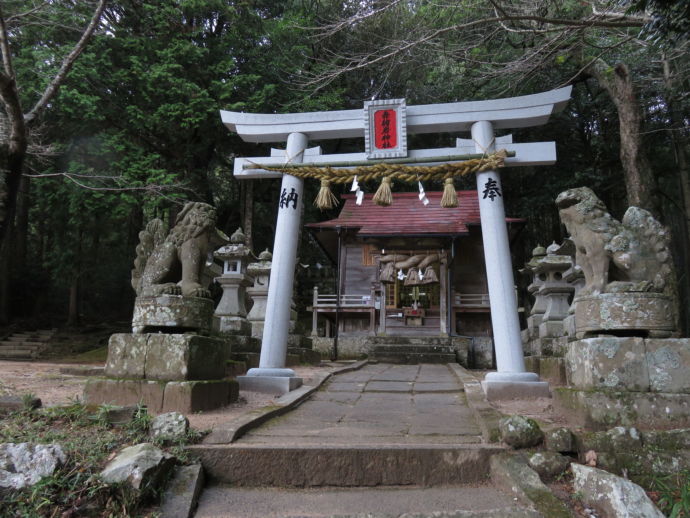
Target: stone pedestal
[(165, 372), (628, 381), (643, 313), (172, 312)]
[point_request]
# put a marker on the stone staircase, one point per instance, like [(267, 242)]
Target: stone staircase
[(420, 349), (26, 345), (246, 352)]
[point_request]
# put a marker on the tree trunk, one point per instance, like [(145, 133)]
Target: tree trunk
[(640, 182), (21, 223), (683, 250), (75, 286)]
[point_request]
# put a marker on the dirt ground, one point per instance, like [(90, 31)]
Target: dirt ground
[(45, 381)]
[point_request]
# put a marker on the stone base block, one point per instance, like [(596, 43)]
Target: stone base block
[(501, 390), (160, 397), (166, 357), (257, 328), (152, 314), (630, 364), (548, 329), (227, 325), (548, 368), (643, 313), (277, 385), (602, 409)]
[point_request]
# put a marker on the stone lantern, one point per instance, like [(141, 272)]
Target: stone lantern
[(539, 307), (556, 290), (261, 273), (231, 313)]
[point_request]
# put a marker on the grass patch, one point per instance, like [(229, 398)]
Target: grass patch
[(88, 441)]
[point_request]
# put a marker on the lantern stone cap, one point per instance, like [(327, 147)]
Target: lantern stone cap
[(554, 262), (232, 251), (263, 266), (538, 251), (512, 112), (238, 237), (553, 249)]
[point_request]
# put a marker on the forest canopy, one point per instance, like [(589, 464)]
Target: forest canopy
[(110, 116)]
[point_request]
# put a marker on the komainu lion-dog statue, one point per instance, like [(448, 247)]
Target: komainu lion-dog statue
[(173, 265), (628, 256)]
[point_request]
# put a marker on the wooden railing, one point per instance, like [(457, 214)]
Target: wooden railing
[(346, 301), (471, 300)]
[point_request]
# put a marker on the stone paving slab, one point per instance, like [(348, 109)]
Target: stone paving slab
[(400, 404)]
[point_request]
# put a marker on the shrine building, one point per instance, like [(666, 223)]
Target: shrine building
[(407, 269)]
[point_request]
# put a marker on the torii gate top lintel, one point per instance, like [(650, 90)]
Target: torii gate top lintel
[(511, 112)]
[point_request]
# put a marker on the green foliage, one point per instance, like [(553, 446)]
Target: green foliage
[(672, 493), (88, 441)]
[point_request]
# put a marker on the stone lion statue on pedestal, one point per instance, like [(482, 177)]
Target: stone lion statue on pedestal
[(628, 256), (173, 265)]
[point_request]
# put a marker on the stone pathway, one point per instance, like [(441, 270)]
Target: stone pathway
[(379, 404), (384, 439)]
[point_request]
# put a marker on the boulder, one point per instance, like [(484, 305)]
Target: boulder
[(143, 466), (520, 432), (613, 496), (548, 464), (24, 464), (171, 426), (559, 440)]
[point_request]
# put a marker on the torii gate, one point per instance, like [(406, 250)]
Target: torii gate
[(481, 118)]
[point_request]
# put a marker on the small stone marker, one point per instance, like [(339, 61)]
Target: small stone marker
[(520, 432), (15, 403), (169, 427), (142, 466), (182, 494), (24, 464), (614, 496)]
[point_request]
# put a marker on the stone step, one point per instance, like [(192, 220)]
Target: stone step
[(418, 340), (18, 354), (442, 349), (345, 466), (460, 501), (7, 343), (306, 355), (251, 360), (26, 338), (415, 358)]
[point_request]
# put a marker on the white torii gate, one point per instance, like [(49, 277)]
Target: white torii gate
[(480, 118)]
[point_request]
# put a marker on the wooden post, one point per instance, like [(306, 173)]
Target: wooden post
[(443, 289), (314, 313)]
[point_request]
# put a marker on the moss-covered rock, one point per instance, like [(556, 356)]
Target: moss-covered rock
[(520, 432)]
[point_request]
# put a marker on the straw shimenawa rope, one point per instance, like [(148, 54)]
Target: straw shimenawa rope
[(406, 173)]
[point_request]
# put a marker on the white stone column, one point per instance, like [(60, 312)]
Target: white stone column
[(274, 343), (510, 361)]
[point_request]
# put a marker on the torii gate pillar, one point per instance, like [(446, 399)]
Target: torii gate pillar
[(510, 380), (271, 376)]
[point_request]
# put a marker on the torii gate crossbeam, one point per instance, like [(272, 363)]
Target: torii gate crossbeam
[(481, 118)]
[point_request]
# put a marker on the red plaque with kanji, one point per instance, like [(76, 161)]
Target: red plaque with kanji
[(385, 129)]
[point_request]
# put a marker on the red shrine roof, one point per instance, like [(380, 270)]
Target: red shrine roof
[(408, 215)]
